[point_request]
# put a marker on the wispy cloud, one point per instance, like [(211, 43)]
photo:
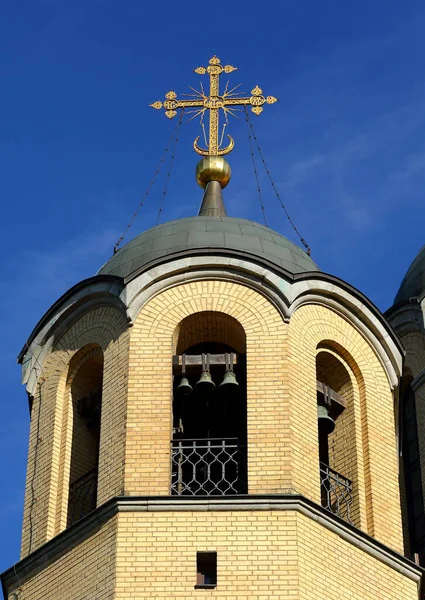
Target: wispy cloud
[(38, 279), (412, 167), (354, 145), (302, 170), (65, 264), (366, 169)]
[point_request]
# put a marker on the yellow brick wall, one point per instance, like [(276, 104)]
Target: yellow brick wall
[(152, 339), (256, 554), (209, 326), (332, 569), (310, 327), (260, 555), (87, 572), (282, 434), (46, 494), (281, 405)]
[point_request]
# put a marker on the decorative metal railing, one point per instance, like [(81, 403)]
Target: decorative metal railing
[(82, 496), (336, 492), (208, 467)]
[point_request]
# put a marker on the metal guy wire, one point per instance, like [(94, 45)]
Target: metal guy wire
[(158, 169), (294, 227)]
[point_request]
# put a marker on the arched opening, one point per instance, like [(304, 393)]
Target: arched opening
[(85, 387), (337, 440), (209, 406)]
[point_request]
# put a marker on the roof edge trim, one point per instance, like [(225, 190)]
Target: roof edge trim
[(96, 279)]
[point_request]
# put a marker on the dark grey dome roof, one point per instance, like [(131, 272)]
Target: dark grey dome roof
[(413, 284), (226, 234)]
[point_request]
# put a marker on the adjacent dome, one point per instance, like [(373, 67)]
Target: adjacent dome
[(413, 284), (225, 234)]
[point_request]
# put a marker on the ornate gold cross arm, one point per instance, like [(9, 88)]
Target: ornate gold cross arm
[(256, 100), (171, 104), (214, 102)]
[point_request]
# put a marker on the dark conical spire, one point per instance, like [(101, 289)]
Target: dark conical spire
[(212, 202)]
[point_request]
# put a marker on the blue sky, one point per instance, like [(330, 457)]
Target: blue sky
[(79, 144)]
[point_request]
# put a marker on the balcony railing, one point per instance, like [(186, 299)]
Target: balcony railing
[(82, 496), (208, 467), (336, 492)]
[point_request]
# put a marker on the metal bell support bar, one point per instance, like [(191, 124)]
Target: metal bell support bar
[(205, 382), (229, 378), (184, 388)]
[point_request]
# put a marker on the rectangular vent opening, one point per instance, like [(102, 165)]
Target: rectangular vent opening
[(206, 569)]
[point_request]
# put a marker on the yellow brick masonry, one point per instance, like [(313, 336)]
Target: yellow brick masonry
[(310, 327), (256, 554), (332, 569), (87, 572), (46, 494), (282, 420), (209, 326), (262, 555), (147, 461)]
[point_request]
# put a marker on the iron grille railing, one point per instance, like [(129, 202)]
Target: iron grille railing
[(208, 467), (336, 492), (82, 496)]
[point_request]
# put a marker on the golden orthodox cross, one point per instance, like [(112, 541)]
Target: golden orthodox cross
[(200, 102)]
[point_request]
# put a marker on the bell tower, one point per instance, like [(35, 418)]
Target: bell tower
[(212, 415)]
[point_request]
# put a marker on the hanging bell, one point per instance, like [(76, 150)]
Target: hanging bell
[(184, 388), (326, 423), (205, 383), (229, 379)]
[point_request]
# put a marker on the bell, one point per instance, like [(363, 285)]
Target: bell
[(184, 388), (229, 379), (205, 383), (326, 423)]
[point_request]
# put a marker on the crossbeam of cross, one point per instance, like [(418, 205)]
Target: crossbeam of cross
[(214, 102)]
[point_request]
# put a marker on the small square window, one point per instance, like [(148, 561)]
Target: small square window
[(206, 569)]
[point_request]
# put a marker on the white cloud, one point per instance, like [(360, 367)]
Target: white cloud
[(413, 166), (38, 279), (54, 271)]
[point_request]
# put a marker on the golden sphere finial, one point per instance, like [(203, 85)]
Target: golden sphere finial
[(213, 168)]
